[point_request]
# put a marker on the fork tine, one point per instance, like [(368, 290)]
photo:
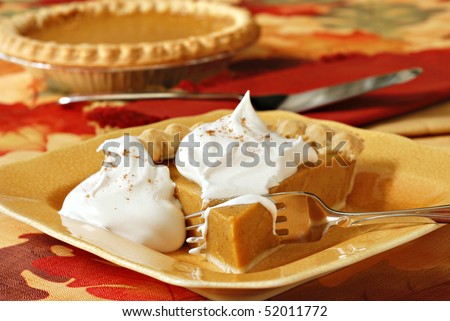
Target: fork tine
[(193, 227), (194, 239), (194, 215)]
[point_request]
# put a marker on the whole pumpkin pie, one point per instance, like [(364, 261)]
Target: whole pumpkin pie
[(216, 164), (122, 33)]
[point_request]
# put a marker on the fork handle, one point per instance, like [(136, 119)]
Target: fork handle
[(439, 214), (148, 95)]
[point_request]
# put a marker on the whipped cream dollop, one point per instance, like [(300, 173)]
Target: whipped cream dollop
[(131, 197), (241, 200), (238, 155)]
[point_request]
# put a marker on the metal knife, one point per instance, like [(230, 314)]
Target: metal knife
[(298, 102)]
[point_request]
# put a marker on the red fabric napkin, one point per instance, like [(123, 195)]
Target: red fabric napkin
[(432, 86)]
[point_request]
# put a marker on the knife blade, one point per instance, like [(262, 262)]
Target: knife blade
[(298, 102), (315, 98)]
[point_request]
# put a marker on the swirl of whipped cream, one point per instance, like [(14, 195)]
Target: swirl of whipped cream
[(238, 155), (131, 197)]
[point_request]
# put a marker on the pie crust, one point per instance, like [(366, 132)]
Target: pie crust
[(124, 33)]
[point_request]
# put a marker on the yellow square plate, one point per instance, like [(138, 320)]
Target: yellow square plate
[(393, 173)]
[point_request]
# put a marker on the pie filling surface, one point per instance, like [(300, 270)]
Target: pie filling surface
[(129, 28)]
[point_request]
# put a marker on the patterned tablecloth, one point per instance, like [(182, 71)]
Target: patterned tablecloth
[(303, 44)]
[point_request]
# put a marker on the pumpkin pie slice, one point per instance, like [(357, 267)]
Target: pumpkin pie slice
[(238, 236)]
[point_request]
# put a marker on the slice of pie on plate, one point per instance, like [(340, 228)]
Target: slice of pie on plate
[(237, 156)]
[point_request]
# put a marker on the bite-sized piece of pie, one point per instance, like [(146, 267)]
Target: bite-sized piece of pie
[(238, 234), (127, 33)]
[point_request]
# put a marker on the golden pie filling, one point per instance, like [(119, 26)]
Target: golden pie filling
[(239, 236), (127, 33), (127, 28)]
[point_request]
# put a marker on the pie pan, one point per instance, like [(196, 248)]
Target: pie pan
[(126, 45), (393, 173), (93, 80)]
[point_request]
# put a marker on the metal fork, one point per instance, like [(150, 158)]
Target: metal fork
[(304, 217)]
